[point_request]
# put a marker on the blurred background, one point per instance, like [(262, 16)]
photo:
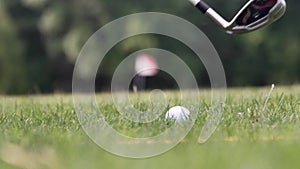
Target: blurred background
[(41, 39)]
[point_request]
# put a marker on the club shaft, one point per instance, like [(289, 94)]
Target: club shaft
[(201, 5), (212, 14)]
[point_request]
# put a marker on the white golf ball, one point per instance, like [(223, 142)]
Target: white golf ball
[(178, 113)]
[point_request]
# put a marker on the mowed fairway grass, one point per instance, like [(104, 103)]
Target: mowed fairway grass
[(43, 132)]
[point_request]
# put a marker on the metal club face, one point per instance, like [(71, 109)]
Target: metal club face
[(256, 14), (253, 15)]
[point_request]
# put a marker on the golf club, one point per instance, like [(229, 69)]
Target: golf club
[(253, 15)]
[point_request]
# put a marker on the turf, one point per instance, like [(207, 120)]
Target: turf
[(43, 132)]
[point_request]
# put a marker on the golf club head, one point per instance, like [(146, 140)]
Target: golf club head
[(256, 14), (253, 15)]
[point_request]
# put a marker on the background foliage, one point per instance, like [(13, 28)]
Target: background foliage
[(40, 40)]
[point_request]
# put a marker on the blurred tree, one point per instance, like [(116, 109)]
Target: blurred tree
[(13, 69), (23, 19), (41, 39)]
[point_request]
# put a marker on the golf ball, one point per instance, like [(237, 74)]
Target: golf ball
[(178, 113)]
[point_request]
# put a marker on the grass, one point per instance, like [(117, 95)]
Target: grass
[(43, 132)]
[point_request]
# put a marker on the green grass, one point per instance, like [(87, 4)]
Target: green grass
[(42, 132)]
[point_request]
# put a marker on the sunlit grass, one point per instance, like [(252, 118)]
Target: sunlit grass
[(44, 132)]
